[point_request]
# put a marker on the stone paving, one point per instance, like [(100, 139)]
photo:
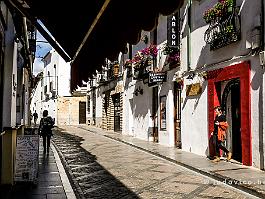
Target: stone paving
[(100, 167), (233, 173)]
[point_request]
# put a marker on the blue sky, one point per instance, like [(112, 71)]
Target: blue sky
[(41, 50)]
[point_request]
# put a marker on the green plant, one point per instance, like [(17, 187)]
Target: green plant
[(229, 3), (229, 29), (209, 15), (219, 10), (167, 50), (144, 57), (173, 55)]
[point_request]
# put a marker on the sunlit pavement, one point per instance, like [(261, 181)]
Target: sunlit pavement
[(100, 167)]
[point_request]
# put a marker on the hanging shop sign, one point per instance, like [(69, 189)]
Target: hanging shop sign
[(172, 30), (193, 89), (156, 78)]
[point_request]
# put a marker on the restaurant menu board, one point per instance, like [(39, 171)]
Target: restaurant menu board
[(27, 156)]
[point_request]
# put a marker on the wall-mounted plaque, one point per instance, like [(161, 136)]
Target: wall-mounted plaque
[(193, 89)]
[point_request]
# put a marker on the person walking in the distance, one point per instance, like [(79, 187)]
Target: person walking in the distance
[(45, 130), (219, 133), (35, 117)]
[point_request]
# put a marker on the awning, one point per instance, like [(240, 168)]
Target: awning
[(90, 31)]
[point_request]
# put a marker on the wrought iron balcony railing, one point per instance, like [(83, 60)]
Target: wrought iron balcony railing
[(223, 31)]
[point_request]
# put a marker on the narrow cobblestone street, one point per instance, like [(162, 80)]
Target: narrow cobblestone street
[(103, 168)]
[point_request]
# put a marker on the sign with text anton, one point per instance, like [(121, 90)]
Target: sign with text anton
[(156, 78)]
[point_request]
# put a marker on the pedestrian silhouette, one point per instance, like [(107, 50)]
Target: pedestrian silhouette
[(35, 117), (45, 130)]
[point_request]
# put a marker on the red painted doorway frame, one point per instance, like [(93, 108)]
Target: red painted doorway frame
[(241, 71)]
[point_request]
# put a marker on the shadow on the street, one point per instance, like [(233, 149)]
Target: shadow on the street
[(85, 172)]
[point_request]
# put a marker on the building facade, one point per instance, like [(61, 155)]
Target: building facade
[(202, 60), (52, 93), (221, 53)]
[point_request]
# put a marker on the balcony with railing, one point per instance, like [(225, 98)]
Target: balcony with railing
[(224, 25)]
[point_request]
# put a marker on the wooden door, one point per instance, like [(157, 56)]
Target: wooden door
[(117, 112), (154, 113), (82, 112), (177, 118)]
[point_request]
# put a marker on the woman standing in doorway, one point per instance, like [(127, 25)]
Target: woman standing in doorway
[(219, 133)]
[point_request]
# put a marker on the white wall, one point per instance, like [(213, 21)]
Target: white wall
[(9, 87), (257, 112), (63, 77), (56, 68), (194, 121), (141, 106), (36, 102), (128, 121), (166, 137), (98, 104)]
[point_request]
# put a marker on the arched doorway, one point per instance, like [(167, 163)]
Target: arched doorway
[(240, 111), (231, 104)]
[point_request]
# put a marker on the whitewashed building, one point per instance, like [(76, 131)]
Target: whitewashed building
[(221, 62), (222, 55), (52, 92), (54, 82)]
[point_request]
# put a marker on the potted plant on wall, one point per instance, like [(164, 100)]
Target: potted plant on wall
[(173, 56), (219, 11), (143, 59), (137, 63), (224, 24), (150, 53)]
